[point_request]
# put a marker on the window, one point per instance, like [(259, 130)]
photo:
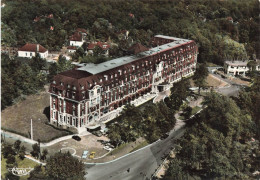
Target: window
[(83, 94), (68, 86), (64, 106), (73, 95), (54, 82), (25, 54), (115, 75), (100, 80)]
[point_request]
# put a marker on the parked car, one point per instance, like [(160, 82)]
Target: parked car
[(107, 148), (97, 133), (84, 155), (77, 138), (92, 155)]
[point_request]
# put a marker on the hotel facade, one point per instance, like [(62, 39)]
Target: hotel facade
[(87, 95)]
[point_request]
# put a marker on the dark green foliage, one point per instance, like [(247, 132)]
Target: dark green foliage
[(7, 150), (65, 166), (20, 77), (187, 112), (152, 123), (38, 174), (9, 175), (179, 92), (10, 159), (21, 152), (212, 147), (17, 145), (202, 20), (200, 76), (36, 150), (44, 154)]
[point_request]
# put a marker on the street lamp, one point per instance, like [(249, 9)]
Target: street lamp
[(31, 130)]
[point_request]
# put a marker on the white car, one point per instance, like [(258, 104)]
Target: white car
[(107, 148)]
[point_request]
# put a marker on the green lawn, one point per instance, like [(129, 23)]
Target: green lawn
[(194, 111), (116, 150), (143, 144), (26, 163)]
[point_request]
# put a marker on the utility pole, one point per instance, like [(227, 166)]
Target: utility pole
[(31, 130)]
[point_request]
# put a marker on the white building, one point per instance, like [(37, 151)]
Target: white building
[(30, 50), (238, 67), (76, 39)]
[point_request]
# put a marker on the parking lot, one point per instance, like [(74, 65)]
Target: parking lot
[(88, 143)]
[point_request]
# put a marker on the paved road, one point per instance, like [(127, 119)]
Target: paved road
[(142, 163), (231, 90)]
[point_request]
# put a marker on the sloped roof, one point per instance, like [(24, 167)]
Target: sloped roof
[(32, 48), (102, 45), (81, 30), (137, 48), (75, 74), (72, 47), (76, 37)]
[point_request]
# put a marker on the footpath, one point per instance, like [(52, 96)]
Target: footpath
[(7, 134)]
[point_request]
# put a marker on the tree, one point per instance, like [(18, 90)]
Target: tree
[(44, 154), (36, 150), (97, 51), (64, 166), (21, 152), (179, 92), (17, 144), (187, 112), (37, 173), (200, 76), (7, 150), (38, 63)]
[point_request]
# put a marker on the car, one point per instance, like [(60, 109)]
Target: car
[(97, 133), (92, 155), (107, 148), (77, 138), (84, 155)]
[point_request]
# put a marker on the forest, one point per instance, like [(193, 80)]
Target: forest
[(221, 143), (223, 29)]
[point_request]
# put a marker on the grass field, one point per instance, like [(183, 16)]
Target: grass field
[(17, 118), (211, 81), (26, 163), (143, 144)]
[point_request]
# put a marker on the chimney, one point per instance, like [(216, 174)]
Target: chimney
[(37, 48)]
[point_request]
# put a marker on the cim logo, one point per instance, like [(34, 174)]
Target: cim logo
[(20, 171)]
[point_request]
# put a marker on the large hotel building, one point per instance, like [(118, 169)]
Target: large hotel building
[(84, 96)]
